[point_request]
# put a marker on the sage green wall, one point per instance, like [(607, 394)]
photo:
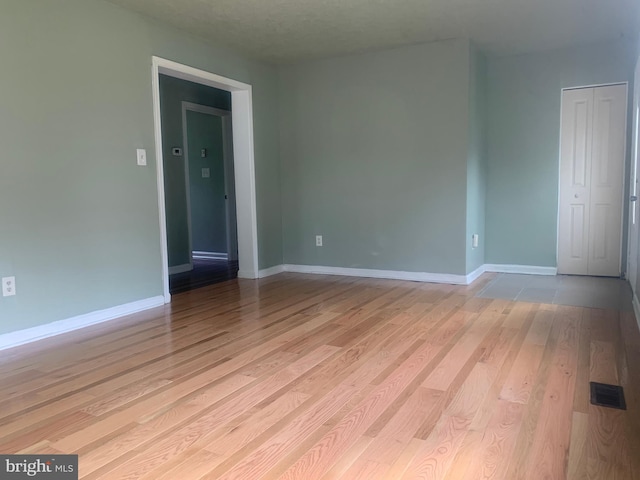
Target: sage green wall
[(374, 158), (173, 91), (477, 161), (523, 142), (79, 219)]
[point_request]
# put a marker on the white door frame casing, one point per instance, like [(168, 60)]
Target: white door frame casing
[(243, 159), (634, 208), (562, 90), (226, 118)]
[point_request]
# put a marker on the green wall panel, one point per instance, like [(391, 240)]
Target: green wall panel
[(523, 144), (374, 153), (79, 218)]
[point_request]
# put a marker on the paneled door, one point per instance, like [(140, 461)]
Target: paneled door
[(592, 147)]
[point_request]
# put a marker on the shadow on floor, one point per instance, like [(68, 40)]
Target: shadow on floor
[(590, 292)]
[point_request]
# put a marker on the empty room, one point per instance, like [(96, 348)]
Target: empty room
[(319, 239)]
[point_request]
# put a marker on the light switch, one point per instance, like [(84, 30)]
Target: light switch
[(141, 155), (205, 173)]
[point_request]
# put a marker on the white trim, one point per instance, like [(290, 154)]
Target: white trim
[(267, 272), (185, 267), (206, 109), (473, 276), (209, 255), (597, 85), (632, 256), (245, 181), (243, 148), (524, 269), (411, 276), (636, 308), (20, 337), (371, 273), (247, 274), (157, 130)]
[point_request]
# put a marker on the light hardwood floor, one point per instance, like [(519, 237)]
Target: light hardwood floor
[(311, 377)]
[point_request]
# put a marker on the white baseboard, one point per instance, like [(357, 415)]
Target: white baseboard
[(210, 255), (525, 269), (250, 274), (267, 272), (636, 308), (371, 273), (20, 337), (473, 276), (180, 269), (448, 278)]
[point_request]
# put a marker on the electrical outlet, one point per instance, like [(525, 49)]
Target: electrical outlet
[(318, 240), (8, 286), (474, 240)]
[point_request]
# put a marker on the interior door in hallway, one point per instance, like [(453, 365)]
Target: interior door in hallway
[(210, 178), (592, 147)]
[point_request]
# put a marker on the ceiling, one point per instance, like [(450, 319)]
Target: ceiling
[(286, 31)]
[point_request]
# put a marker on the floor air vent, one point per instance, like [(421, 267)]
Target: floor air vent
[(611, 396)]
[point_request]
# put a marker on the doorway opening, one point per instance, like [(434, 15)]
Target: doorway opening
[(241, 143), (203, 247)]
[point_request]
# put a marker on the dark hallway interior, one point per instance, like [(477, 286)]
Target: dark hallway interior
[(205, 272)]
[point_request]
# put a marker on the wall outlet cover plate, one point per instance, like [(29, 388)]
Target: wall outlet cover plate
[(8, 286)]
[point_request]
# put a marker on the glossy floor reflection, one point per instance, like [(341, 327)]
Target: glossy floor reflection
[(205, 272), (578, 291)]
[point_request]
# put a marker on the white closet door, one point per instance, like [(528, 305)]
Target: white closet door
[(575, 181), (607, 174), (591, 180)]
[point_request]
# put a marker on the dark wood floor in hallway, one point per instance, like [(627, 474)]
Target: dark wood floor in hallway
[(320, 377), (205, 272)]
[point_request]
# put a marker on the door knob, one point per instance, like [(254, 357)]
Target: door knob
[(633, 198)]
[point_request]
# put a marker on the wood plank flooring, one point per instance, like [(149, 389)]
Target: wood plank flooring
[(311, 377)]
